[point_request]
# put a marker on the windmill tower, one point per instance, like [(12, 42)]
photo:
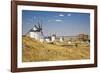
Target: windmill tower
[(36, 32)]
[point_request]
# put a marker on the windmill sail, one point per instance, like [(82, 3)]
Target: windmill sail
[(40, 27)]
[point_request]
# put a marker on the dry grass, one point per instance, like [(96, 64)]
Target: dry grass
[(35, 51)]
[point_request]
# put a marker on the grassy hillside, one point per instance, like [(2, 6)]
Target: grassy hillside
[(35, 51)]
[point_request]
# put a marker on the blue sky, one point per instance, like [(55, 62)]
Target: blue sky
[(61, 23)]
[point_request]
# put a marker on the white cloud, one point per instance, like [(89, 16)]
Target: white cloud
[(69, 14), (61, 15), (58, 20)]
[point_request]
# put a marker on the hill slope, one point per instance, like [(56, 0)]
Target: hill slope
[(36, 51)]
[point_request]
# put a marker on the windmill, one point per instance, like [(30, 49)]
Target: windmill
[(36, 31)]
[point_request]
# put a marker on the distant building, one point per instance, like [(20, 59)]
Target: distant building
[(83, 37), (61, 39), (53, 37), (48, 39)]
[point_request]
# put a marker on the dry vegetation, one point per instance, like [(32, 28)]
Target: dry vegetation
[(35, 51)]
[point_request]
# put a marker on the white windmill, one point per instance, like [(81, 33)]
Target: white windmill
[(36, 32)]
